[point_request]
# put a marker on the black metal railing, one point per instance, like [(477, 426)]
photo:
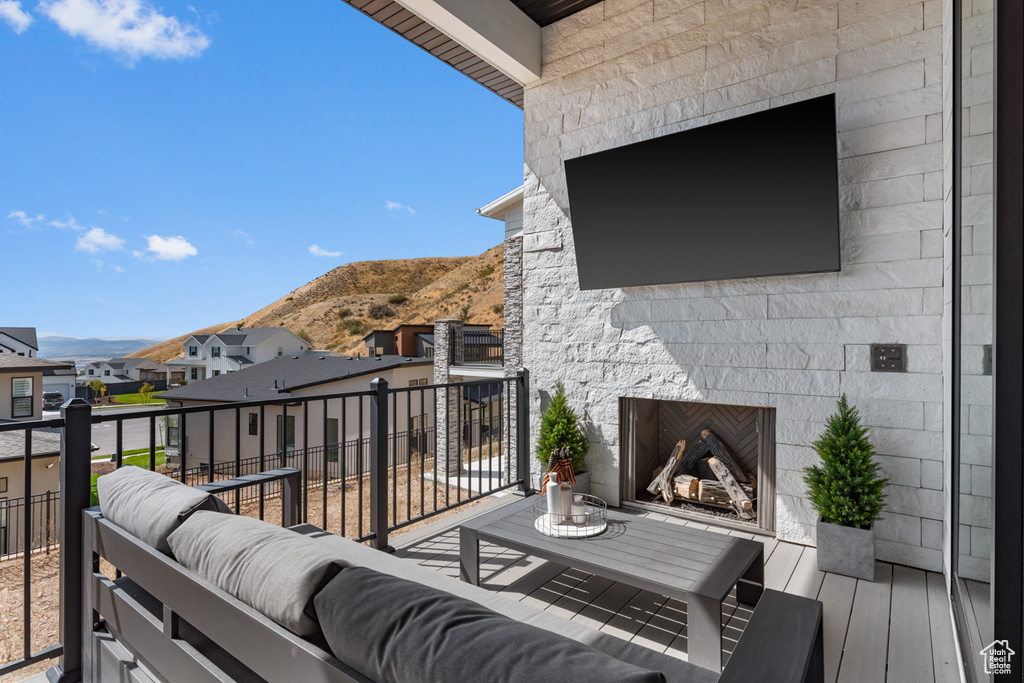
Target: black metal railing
[(370, 463), (474, 347), (42, 529)]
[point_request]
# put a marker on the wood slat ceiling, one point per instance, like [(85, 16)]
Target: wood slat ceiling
[(415, 30), (545, 12)]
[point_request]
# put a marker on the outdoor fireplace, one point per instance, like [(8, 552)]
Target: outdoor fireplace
[(726, 470)]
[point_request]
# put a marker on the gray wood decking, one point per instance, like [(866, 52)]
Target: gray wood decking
[(896, 629)]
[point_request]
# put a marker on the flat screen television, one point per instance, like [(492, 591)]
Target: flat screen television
[(753, 196)]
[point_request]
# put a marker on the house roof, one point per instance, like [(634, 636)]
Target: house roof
[(26, 335), (427, 337), (499, 206), (279, 376), (240, 361), (12, 363), (397, 328), (130, 363), (45, 442)]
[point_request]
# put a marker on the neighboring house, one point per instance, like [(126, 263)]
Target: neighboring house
[(118, 370), (930, 231), (210, 355), (21, 341), (411, 340), (291, 377), (21, 397), (61, 380)]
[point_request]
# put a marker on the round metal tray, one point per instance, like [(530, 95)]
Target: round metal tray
[(593, 520)]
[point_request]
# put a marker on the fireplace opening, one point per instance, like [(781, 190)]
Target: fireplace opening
[(699, 460)]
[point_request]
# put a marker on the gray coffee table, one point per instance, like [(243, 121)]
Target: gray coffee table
[(697, 567)]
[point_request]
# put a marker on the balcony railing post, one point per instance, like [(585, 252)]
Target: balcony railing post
[(523, 430), (379, 464), (75, 492)]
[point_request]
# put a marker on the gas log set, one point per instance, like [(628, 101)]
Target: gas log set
[(706, 473)]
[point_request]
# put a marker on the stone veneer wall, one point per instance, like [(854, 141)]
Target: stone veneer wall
[(627, 70)]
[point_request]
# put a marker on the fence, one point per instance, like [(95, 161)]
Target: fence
[(42, 529), (371, 463), (118, 388), (478, 346)]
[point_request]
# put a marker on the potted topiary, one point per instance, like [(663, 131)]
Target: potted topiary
[(560, 428), (848, 493)]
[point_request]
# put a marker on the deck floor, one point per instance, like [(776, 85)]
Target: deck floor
[(896, 629)]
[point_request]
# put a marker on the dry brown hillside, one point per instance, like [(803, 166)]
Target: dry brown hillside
[(338, 308)]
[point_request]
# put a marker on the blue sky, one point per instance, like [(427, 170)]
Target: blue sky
[(171, 166)]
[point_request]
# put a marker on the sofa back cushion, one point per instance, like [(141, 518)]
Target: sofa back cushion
[(150, 505), (273, 570), (398, 631)]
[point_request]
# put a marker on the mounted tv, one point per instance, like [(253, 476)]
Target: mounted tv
[(753, 196)]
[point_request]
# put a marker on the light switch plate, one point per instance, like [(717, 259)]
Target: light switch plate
[(888, 358)]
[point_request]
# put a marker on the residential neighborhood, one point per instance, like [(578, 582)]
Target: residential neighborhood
[(215, 354)]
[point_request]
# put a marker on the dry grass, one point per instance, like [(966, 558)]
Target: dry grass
[(45, 581)]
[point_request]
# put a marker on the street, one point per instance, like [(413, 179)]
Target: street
[(135, 431)]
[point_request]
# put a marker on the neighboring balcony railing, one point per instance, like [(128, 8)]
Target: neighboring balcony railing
[(369, 463), (475, 347)]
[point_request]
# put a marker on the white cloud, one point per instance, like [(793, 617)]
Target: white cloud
[(244, 236), (70, 224), (173, 248), (97, 239), (26, 220), (11, 12), (130, 28), (118, 269), (396, 206), (317, 251)]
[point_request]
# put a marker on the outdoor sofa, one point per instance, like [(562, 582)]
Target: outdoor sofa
[(388, 618)]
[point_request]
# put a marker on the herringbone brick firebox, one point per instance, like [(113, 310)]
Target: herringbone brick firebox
[(651, 429)]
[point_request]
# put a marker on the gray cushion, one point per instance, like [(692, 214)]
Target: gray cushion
[(271, 569), (150, 505), (398, 631)]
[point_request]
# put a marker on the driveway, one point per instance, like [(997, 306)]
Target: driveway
[(135, 432)]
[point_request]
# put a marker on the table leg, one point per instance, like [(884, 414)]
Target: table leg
[(704, 631), (469, 556), (751, 584)]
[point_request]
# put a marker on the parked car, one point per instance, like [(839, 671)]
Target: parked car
[(52, 400)]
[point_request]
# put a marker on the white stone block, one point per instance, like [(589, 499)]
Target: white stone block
[(931, 534), (897, 414), (724, 308), (891, 163), (808, 382), (540, 241), (814, 409), (883, 137), (791, 483), (797, 433), (890, 386), (889, 219), (793, 457), (897, 79), (975, 511), (931, 243), (892, 275), (899, 528), (981, 481), (732, 355), (850, 304), (932, 474), (900, 471), (907, 443), (879, 28), (919, 329), (888, 192), (909, 500), (903, 50), (912, 556), (803, 51), (806, 356)]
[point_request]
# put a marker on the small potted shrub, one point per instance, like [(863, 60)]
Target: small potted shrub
[(847, 492), (560, 428)]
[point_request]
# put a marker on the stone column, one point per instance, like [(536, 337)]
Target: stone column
[(513, 343), (446, 412)]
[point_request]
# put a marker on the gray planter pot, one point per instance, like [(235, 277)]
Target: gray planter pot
[(846, 550)]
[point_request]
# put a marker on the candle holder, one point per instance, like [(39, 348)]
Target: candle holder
[(588, 516)]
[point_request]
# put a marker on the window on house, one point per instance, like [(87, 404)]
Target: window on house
[(286, 435), (195, 374), (106, 373), (173, 439), (215, 351), (332, 439), (216, 373), (254, 424), (193, 351), (423, 382), (248, 350), (428, 352), (3, 484), (280, 350), (92, 372)]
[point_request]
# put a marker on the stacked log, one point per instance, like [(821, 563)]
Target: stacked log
[(706, 473)]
